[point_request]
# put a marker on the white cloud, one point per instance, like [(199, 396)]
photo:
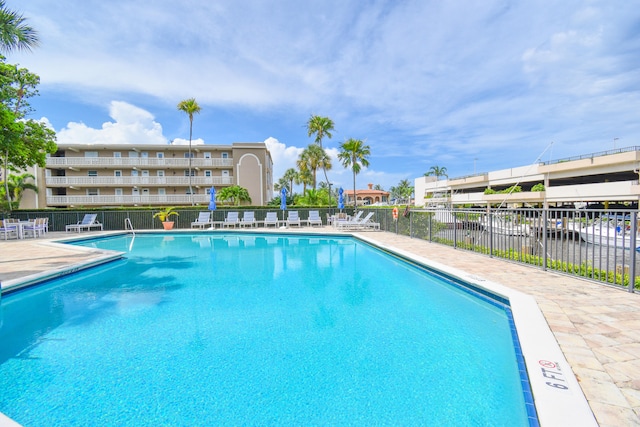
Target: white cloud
[(182, 141), (130, 124)]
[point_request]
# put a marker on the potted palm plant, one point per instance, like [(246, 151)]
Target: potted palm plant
[(164, 215)]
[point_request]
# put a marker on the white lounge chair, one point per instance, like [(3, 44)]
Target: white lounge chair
[(349, 224), (248, 219), (271, 219), (314, 219), (293, 218), (366, 223), (88, 222), (203, 220), (231, 219)]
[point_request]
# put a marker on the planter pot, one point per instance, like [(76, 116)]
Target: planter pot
[(168, 225)]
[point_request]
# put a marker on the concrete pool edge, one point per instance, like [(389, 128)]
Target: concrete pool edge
[(558, 397), (101, 257)]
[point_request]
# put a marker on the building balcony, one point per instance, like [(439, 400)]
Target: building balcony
[(130, 181), (143, 200), (137, 162)]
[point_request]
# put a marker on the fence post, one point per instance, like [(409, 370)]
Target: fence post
[(490, 219), (545, 224), (455, 229), (410, 225), (632, 250)]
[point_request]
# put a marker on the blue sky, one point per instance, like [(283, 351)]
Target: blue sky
[(472, 86)]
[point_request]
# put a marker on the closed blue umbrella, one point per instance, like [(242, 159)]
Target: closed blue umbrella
[(340, 199), (212, 199), (283, 199)]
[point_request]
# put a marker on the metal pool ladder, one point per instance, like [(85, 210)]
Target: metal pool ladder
[(129, 226)]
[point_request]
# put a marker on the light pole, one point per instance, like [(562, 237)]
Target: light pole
[(330, 207)]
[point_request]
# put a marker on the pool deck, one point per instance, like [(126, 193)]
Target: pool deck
[(596, 327)]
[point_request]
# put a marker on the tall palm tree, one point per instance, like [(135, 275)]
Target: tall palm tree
[(191, 107), (354, 153), (290, 175), (312, 158), (15, 34), (437, 171), (321, 127)]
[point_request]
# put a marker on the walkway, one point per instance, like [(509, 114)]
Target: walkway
[(597, 328)]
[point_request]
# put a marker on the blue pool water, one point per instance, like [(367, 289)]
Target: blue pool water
[(242, 329)]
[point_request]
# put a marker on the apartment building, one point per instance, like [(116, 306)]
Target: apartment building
[(147, 175), (605, 177)]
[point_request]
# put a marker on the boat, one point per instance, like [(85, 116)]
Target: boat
[(610, 230), (508, 225)]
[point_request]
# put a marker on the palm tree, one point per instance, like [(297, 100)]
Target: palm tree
[(437, 172), (312, 158), (354, 153), (290, 175), (403, 191), (14, 33), (191, 107), (16, 184), (235, 194), (321, 127)]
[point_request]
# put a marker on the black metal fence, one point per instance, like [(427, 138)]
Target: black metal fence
[(599, 245)]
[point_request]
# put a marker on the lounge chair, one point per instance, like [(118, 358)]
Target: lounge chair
[(248, 219), (88, 222), (203, 220), (366, 223), (314, 219), (293, 218), (351, 223), (271, 219), (231, 219)]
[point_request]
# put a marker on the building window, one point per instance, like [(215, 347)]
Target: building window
[(134, 172), (225, 155), (145, 154), (93, 192), (160, 155), (133, 154), (225, 173), (207, 155), (186, 155), (162, 191), (91, 154), (186, 172), (117, 173), (92, 173), (208, 174), (117, 154), (159, 173), (118, 192)]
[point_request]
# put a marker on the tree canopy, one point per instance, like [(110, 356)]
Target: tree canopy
[(23, 142), (15, 34), (354, 154), (234, 194)]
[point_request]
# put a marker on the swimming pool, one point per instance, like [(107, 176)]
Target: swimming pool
[(251, 329)]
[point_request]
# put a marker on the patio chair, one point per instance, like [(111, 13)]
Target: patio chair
[(204, 219), (293, 218), (7, 229), (366, 223), (36, 228), (271, 219), (88, 222), (314, 219), (231, 219)]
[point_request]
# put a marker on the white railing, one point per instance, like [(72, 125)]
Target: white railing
[(173, 199), (85, 162), (106, 181)]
